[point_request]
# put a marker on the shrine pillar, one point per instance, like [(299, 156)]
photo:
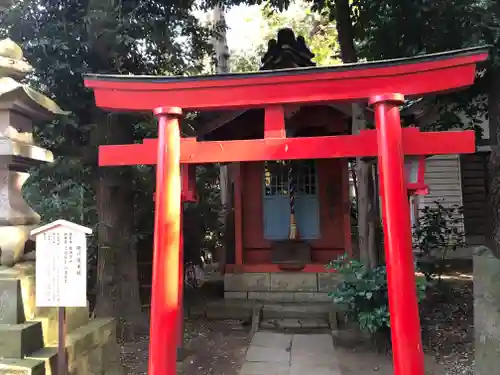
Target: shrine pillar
[(166, 259), (408, 355)]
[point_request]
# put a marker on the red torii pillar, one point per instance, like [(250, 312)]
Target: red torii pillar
[(164, 319), (407, 348), (188, 194), (420, 75)]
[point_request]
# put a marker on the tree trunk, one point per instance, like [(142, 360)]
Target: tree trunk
[(222, 55), (366, 209), (117, 276)]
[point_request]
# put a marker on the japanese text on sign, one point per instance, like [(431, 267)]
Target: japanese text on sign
[(61, 276)]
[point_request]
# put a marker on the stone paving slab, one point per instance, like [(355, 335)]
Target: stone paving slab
[(320, 359), (259, 368), (314, 370), (272, 340), (318, 343), (284, 354), (270, 355)]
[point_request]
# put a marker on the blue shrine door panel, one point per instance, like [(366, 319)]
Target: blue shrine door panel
[(276, 202), (276, 199), (306, 200)]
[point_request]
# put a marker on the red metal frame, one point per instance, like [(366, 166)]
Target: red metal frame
[(416, 76), (345, 146), (426, 74)]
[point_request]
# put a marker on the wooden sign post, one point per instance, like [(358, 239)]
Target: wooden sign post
[(61, 273)]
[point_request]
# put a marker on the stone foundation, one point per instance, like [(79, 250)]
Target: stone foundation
[(280, 286), (28, 335), (486, 312)]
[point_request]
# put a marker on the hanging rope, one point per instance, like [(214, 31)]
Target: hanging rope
[(291, 197)]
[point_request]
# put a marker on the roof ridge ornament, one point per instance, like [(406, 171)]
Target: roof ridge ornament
[(287, 51)]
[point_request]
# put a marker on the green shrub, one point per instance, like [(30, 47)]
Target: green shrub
[(439, 230), (363, 294)]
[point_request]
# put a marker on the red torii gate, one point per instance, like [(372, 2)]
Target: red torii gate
[(385, 84)]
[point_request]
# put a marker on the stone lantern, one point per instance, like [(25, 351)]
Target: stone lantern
[(20, 107)]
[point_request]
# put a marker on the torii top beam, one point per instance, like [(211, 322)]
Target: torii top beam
[(348, 82)]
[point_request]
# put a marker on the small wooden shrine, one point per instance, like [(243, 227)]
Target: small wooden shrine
[(289, 216)]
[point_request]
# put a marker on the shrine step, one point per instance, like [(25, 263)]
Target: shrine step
[(225, 309), (297, 311), (299, 325), (298, 317)]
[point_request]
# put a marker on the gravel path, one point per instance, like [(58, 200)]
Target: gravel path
[(448, 325)]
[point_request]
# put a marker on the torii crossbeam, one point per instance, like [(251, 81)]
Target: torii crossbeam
[(385, 84)]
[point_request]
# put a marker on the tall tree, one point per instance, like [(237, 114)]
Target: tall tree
[(63, 39), (364, 178)]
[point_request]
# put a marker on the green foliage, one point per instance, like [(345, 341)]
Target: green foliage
[(363, 293), (206, 229), (320, 35), (426, 27), (55, 183), (63, 39), (438, 231)]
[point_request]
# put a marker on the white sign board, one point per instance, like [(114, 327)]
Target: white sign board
[(61, 264)]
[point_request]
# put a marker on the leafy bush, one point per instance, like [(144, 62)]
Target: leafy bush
[(437, 232), (363, 294)]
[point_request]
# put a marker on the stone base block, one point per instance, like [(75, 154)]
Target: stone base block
[(18, 303), (285, 297), (12, 237), (49, 318), (93, 350), (28, 335), (289, 297), (486, 311), (48, 356), (17, 293), (11, 302), (22, 367), (20, 340), (280, 286)]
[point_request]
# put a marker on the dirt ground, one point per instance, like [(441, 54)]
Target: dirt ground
[(363, 360), (218, 348), (212, 348)]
